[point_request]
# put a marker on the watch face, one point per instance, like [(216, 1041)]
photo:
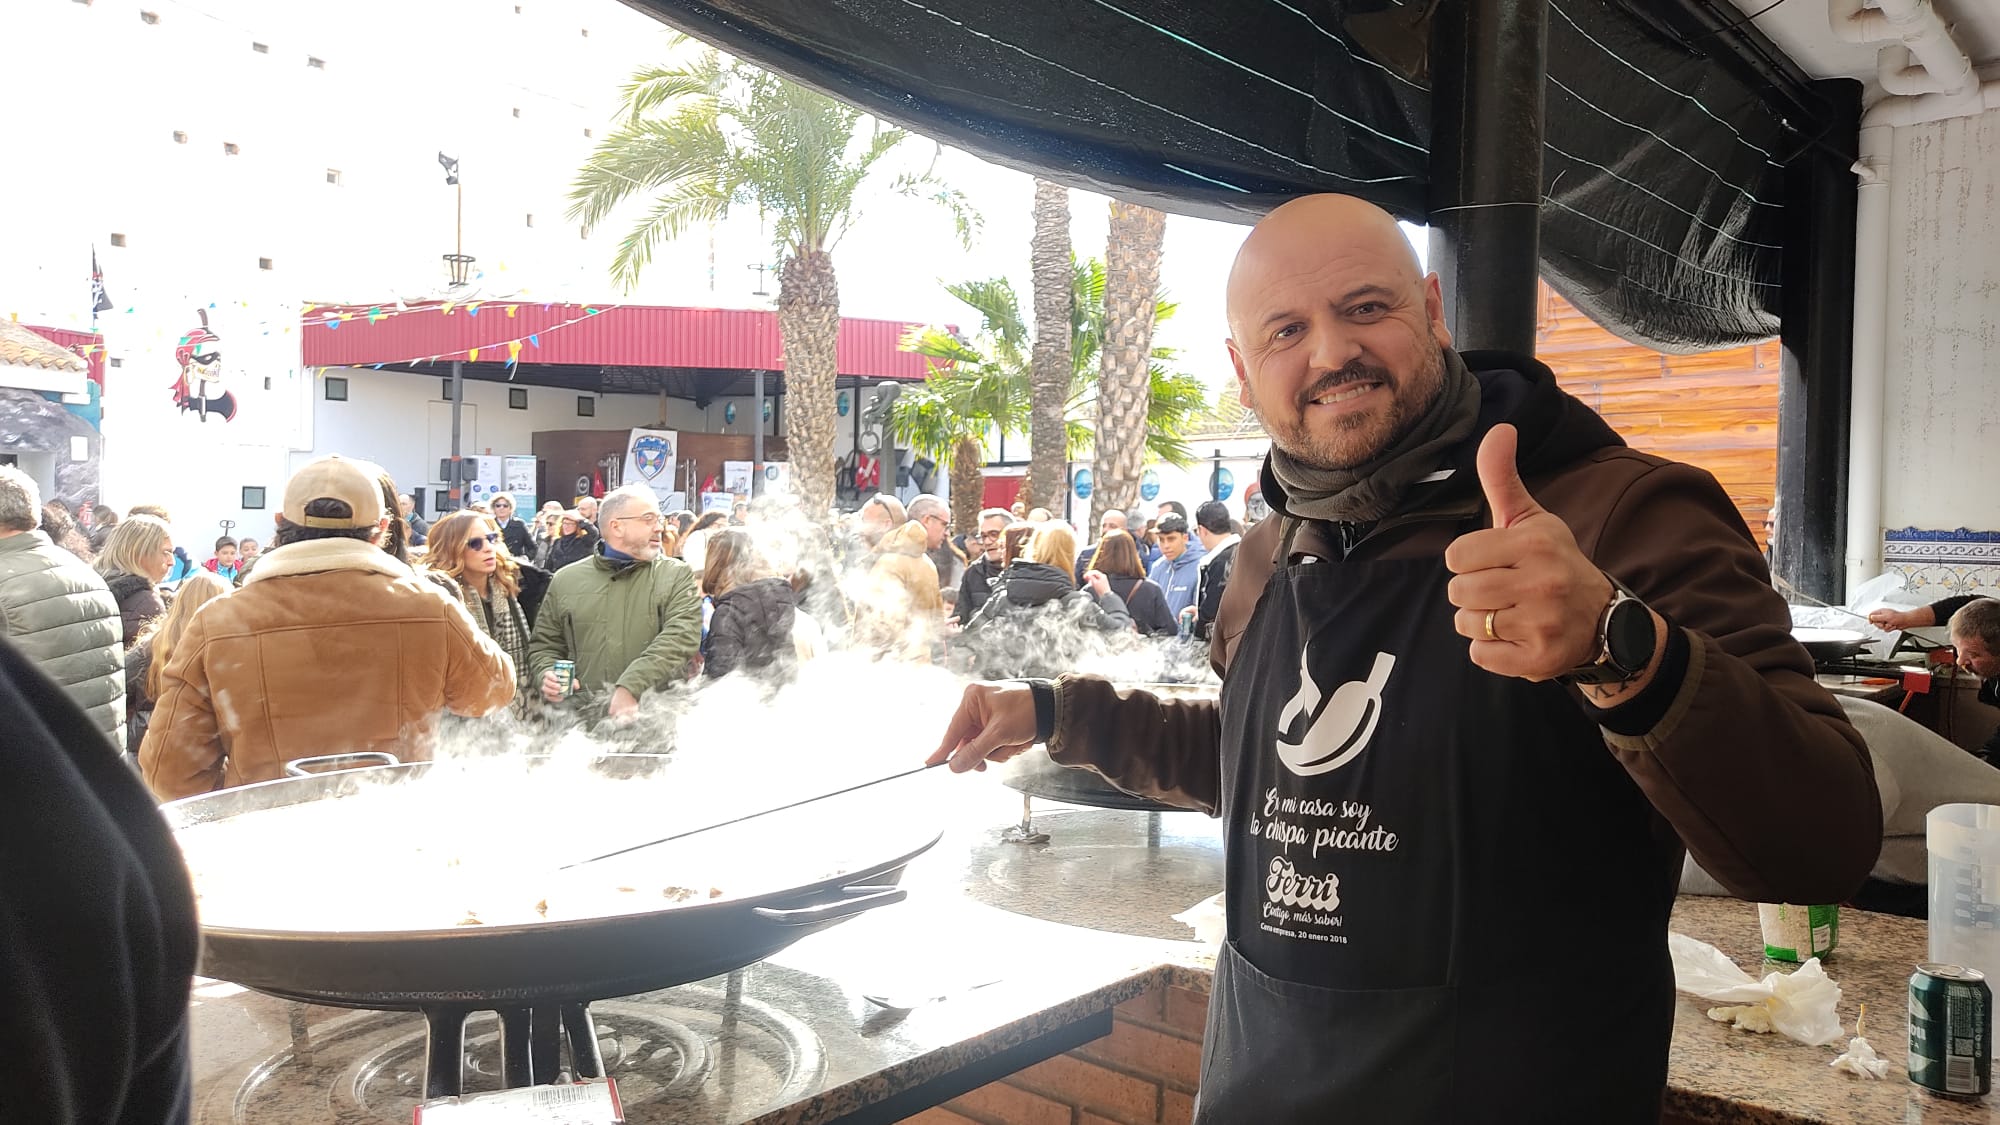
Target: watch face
[(1629, 635)]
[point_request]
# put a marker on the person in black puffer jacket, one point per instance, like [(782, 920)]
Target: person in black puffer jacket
[(1037, 623), (750, 629)]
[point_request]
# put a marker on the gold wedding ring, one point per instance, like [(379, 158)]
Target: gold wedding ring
[(1490, 634)]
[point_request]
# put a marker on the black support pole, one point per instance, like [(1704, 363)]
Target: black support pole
[(1488, 62), (1816, 310)]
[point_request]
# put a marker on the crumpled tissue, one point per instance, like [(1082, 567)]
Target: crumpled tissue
[(1860, 1058), (1798, 1005), (1207, 920)]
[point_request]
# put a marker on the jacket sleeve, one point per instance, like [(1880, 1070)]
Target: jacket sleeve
[(1943, 608), (1754, 765), (182, 754), (547, 642), (1149, 609), (1168, 749), (479, 675), (963, 609), (1113, 617), (665, 659)]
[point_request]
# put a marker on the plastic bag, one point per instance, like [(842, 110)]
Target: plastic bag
[(1799, 1005), (1207, 920)]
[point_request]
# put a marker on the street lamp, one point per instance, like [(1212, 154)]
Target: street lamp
[(459, 261)]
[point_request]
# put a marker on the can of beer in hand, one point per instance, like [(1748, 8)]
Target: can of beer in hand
[(565, 673), (1951, 1031), (1187, 620)]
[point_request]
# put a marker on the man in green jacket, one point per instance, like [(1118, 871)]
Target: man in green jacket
[(629, 617), (57, 611)]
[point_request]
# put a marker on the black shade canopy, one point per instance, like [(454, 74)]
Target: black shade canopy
[(1662, 194)]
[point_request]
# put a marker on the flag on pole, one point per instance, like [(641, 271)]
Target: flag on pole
[(99, 299)]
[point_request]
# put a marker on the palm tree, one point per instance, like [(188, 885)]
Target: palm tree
[(973, 388), (1132, 254), (1051, 263), (710, 133), (976, 386)]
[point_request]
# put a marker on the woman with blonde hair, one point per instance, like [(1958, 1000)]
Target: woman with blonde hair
[(155, 646), (136, 558), (467, 556), (755, 611)]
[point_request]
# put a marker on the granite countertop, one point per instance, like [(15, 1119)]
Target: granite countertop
[(1029, 944), (1718, 1074)]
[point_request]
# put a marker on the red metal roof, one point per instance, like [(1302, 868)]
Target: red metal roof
[(589, 335)]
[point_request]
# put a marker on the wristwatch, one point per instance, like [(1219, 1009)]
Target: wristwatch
[(1626, 636)]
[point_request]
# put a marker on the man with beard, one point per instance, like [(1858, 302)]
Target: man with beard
[(1487, 672), (977, 584)]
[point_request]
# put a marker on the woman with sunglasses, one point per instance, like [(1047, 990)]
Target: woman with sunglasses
[(467, 556)]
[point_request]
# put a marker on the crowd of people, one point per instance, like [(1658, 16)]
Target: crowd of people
[(215, 673)]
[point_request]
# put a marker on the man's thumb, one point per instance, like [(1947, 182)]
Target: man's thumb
[(1500, 478)]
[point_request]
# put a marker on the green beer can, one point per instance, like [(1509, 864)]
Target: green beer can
[(1951, 1031)]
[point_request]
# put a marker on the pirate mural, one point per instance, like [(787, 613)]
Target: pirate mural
[(199, 387)]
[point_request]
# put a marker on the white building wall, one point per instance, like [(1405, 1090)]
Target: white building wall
[(1942, 414)]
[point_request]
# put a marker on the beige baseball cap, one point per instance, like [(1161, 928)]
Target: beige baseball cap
[(354, 483)]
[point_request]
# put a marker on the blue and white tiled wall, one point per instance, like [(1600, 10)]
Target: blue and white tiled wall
[(1938, 564)]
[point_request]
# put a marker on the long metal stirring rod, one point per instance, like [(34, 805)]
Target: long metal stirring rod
[(750, 816)]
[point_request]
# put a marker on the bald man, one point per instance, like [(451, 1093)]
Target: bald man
[(1487, 672)]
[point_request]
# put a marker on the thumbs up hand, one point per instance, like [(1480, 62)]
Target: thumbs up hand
[(1527, 597)]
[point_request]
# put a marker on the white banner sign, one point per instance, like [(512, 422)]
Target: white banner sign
[(649, 459)]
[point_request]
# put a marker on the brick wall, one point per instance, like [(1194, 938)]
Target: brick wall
[(1143, 1073)]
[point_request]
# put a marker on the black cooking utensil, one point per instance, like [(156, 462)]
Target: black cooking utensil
[(749, 816)]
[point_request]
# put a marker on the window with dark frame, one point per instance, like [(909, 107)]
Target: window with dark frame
[(253, 497), (517, 398), (446, 392), (117, 239), (586, 406), (336, 388)]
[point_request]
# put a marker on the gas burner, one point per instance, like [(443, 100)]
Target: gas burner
[(684, 1047)]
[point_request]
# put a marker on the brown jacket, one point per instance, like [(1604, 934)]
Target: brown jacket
[(1753, 767), (330, 647)]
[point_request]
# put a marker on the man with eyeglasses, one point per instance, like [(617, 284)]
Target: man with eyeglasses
[(629, 617), (977, 584), (935, 516)]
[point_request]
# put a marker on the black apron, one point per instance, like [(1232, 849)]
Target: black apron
[(1446, 902)]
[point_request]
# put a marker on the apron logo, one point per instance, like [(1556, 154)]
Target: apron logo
[(1337, 727)]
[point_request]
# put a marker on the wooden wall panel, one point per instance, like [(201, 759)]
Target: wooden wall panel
[(1717, 410)]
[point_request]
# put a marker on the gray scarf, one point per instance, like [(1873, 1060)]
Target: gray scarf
[(1367, 493)]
